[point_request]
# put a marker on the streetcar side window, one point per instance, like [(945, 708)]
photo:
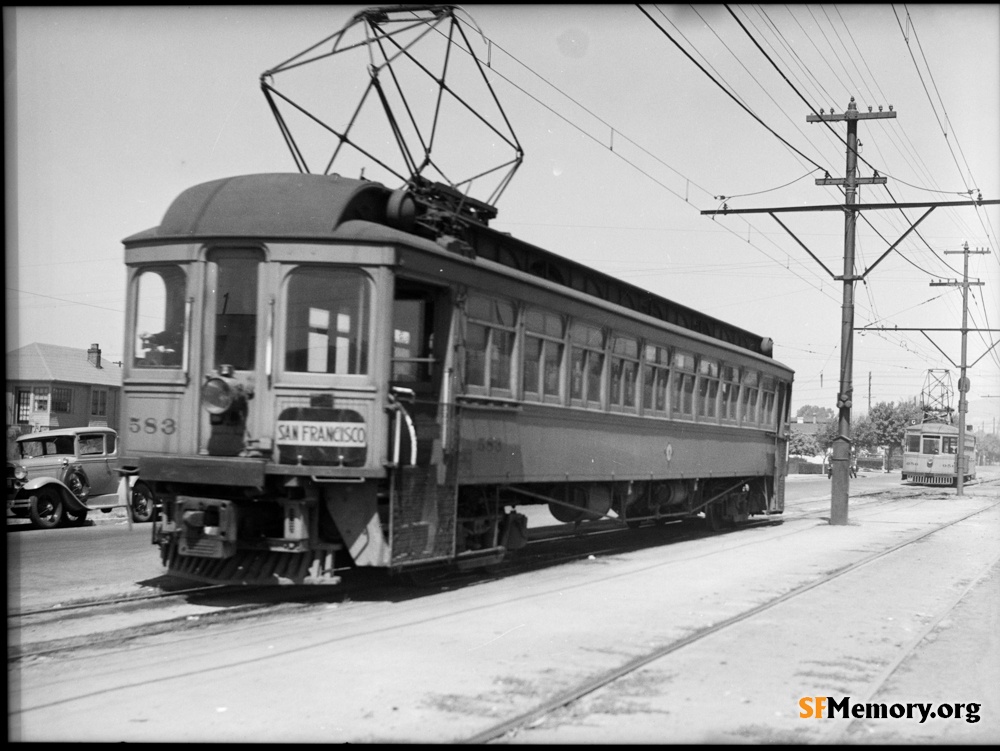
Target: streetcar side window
[(708, 389), (913, 443), (729, 393), (327, 321), (489, 345), (751, 390), (159, 322), (682, 386), (586, 364), (768, 391), (543, 356), (624, 373), (655, 378)]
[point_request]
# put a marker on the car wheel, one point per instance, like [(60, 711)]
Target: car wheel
[(78, 485), (46, 509), (74, 518), (143, 503)]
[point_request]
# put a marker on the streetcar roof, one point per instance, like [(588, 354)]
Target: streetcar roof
[(297, 206)]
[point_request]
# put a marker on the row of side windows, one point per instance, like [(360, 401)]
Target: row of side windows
[(542, 356)]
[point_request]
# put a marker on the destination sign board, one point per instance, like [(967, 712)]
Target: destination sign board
[(318, 433)]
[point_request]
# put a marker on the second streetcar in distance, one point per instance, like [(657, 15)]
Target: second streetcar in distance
[(930, 453)]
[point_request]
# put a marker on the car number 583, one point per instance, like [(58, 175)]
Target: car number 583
[(167, 426)]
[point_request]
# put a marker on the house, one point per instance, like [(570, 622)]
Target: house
[(50, 386)]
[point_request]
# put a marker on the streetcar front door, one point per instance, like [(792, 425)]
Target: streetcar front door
[(423, 503)]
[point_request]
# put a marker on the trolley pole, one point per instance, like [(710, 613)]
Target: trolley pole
[(841, 460), (961, 460)]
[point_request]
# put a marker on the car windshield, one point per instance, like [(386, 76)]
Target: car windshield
[(62, 444)]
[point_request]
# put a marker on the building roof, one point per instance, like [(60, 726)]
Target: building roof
[(52, 362)]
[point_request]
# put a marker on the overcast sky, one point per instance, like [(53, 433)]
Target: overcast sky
[(111, 112)]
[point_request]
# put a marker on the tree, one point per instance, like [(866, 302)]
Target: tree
[(885, 425), (822, 414), (800, 444), (827, 435), (988, 447)]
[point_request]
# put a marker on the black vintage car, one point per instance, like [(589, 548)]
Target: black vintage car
[(59, 476)]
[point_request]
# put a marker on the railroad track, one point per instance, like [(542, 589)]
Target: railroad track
[(551, 547), (506, 728)]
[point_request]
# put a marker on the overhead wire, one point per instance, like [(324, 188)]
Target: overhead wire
[(618, 132), (782, 74), (622, 157)]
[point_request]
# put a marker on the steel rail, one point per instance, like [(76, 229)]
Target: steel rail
[(569, 696)]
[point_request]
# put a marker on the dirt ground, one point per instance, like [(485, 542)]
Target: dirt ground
[(919, 625)]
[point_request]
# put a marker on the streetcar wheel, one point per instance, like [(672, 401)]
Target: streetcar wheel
[(714, 519), (46, 509), (74, 518), (143, 504)]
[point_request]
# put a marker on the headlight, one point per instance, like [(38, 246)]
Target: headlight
[(217, 395), (20, 472)]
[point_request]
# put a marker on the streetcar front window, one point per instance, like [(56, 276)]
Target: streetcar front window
[(327, 321), (159, 323), (949, 444), (931, 445), (233, 284), (913, 443)]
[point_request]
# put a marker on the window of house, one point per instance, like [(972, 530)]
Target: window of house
[(682, 386), (586, 364), (543, 356), (99, 402), (23, 407), (62, 400), (40, 397), (326, 323), (708, 388), (624, 373), (489, 344), (655, 378)]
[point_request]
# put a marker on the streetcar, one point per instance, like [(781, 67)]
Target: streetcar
[(324, 372), (930, 453), (312, 383)]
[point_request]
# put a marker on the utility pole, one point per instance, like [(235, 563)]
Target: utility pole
[(842, 445), (841, 461), (963, 382)]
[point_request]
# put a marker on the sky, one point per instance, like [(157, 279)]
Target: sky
[(632, 122)]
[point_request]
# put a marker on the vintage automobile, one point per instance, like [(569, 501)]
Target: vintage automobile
[(59, 476)]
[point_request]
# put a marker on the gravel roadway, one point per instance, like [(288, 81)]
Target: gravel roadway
[(919, 625)]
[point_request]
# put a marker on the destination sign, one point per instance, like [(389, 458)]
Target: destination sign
[(316, 433)]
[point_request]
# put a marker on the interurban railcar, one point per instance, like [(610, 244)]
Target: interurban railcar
[(317, 378), (930, 453)]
